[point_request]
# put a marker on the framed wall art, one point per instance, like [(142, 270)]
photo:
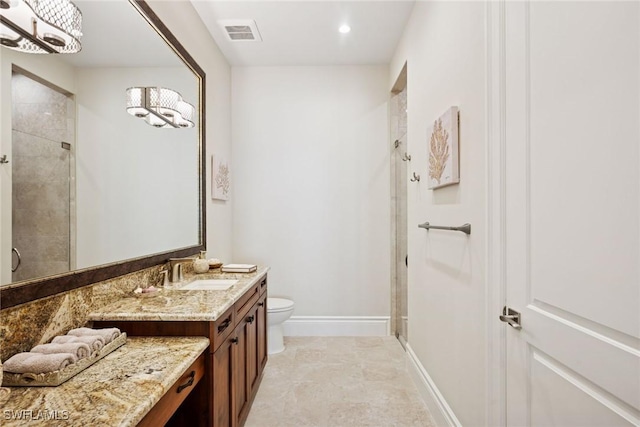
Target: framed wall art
[(444, 164), (220, 178)]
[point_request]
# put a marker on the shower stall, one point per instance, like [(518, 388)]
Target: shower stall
[(42, 174)]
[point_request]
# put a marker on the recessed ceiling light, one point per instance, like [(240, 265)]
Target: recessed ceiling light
[(344, 29)]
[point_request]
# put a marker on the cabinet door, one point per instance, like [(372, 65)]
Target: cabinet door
[(261, 327), (241, 394), (222, 384), (253, 363), (247, 363)]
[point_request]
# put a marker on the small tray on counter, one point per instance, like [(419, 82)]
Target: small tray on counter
[(55, 378)]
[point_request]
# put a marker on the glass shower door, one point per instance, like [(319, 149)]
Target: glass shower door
[(40, 176)]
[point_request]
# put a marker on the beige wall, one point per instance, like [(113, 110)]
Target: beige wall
[(312, 186), (183, 21), (444, 47)]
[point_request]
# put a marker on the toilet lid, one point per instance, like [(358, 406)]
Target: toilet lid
[(278, 304)]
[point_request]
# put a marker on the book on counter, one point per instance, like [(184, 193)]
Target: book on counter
[(239, 268)]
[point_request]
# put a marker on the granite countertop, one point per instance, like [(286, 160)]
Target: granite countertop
[(118, 390), (178, 305)]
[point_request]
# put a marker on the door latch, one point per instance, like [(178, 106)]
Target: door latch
[(512, 317)]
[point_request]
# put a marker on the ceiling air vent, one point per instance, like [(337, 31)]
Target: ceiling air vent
[(244, 30)]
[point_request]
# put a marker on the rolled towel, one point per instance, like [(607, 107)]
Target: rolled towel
[(38, 363), (79, 349), (94, 342), (109, 334)]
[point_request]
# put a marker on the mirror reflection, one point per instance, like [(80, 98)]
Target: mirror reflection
[(87, 183)]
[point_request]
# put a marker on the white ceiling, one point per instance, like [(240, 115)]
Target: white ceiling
[(116, 35), (302, 32)]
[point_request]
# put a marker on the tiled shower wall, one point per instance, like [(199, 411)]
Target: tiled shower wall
[(42, 171), (399, 170), (399, 112)]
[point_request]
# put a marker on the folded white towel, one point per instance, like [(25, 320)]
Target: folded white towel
[(79, 349), (38, 363), (109, 334), (95, 342)]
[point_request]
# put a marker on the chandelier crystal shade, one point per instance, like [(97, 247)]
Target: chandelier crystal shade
[(160, 107), (40, 26)]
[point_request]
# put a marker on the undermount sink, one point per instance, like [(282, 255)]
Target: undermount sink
[(209, 285)]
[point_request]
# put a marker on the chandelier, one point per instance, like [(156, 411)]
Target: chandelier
[(160, 107), (40, 26)]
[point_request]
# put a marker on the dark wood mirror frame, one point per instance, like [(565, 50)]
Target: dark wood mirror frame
[(23, 292)]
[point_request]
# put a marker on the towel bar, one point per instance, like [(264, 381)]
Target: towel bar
[(465, 228)]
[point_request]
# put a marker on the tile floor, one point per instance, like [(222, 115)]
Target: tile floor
[(338, 382)]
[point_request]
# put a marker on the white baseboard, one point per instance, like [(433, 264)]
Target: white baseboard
[(439, 408), (337, 326)]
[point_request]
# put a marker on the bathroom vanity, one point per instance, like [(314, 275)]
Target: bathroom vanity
[(234, 321)]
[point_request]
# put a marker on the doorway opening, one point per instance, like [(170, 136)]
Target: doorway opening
[(399, 243)]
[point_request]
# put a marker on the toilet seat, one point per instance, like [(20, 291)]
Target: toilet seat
[(276, 305)]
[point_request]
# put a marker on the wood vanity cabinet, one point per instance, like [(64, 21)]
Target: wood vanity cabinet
[(171, 401), (235, 362), (250, 351)]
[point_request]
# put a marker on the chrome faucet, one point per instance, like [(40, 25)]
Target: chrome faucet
[(175, 266), (164, 278)]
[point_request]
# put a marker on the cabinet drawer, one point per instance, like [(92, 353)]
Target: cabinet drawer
[(246, 301), (263, 285), (164, 409), (222, 328)]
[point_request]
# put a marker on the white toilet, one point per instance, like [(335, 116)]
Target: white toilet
[(278, 310)]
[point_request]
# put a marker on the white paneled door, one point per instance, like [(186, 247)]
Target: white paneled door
[(572, 212)]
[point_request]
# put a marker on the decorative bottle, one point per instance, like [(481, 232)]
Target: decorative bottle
[(200, 264)]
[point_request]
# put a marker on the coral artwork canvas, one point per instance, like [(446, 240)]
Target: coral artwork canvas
[(442, 137), (221, 181)]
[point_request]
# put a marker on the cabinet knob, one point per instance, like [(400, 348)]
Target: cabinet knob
[(234, 340), (261, 304), (250, 319)]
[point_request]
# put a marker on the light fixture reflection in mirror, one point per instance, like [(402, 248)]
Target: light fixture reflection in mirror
[(41, 26), (160, 107)]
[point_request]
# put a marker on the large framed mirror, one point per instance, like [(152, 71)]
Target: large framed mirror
[(88, 191)]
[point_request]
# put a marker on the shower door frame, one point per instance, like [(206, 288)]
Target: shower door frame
[(399, 224)]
